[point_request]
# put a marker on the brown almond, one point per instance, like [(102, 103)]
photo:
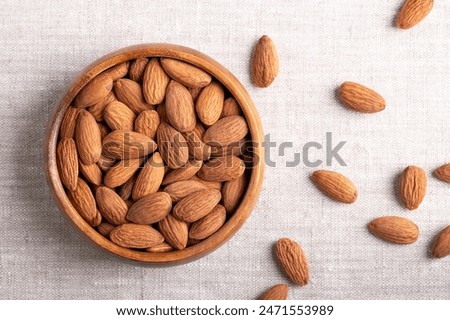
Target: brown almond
[(265, 63), (111, 206), (105, 229), (198, 149), (172, 146), (209, 224), (196, 205), (136, 236), (194, 92), (179, 190), (360, 98), (97, 220), (232, 193), (175, 231), (441, 247), (277, 292), (162, 247), (155, 81), (68, 123), (222, 169), (129, 92), (88, 139), (104, 130), (185, 73), (395, 229), (94, 91), (184, 173), (161, 110), (121, 144), (225, 131), (443, 173), (147, 123), (92, 173), (150, 209), (335, 185), (123, 170), (412, 187), (137, 68), (67, 161), (231, 108), (216, 185), (413, 12), (119, 117), (125, 190), (209, 103), (149, 179), (180, 107), (118, 71), (105, 163), (97, 109), (83, 201), (293, 260)]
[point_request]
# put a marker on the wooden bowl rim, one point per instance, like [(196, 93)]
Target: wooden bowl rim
[(237, 90)]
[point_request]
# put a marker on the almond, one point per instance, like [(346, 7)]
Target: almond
[(149, 179), (413, 187), (360, 98), (118, 174), (174, 231), (172, 146), (196, 205), (395, 229), (105, 229), (225, 131), (150, 209), (443, 172), (105, 163), (277, 292), (97, 109), (92, 173), (209, 224), (412, 12), (179, 190), (209, 104), (232, 193), (155, 81), (125, 190), (137, 236), (441, 247), (68, 123), (147, 123), (335, 186), (88, 139), (111, 206), (180, 107), (198, 149), (104, 130), (97, 220), (216, 185), (231, 108), (137, 67), (118, 71), (119, 117), (265, 64), (94, 91), (121, 144), (129, 92), (222, 169), (185, 73), (163, 247), (67, 161), (184, 173), (161, 110), (83, 201), (293, 260)]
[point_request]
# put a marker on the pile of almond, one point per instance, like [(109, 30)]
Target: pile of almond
[(151, 153)]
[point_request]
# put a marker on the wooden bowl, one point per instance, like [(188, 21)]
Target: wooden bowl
[(228, 81)]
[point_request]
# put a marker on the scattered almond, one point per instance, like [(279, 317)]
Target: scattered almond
[(441, 247), (360, 98), (443, 172), (413, 187), (277, 292), (293, 260), (335, 186), (413, 12), (265, 64), (395, 229)]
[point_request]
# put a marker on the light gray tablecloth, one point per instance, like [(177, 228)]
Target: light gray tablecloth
[(44, 44)]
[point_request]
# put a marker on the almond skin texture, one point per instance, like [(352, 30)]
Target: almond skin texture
[(105, 163), (225, 131), (179, 190), (198, 149), (147, 123), (136, 70), (83, 201), (209, 224), (161, 110), (443, 173), (265, 63), (184, 173), (277, 292), (172, 146), (111, 206), (209, 103), (185, 73), (395, 229), (360, 98), (68, 123), (125, 190), (119, 117), (136, 236), (97, 109), (121, 144), (88, 139), (335, 186), (118, 174), (174, 231), (216, 185), (412, 187), (154, 83), (441, 247), (67, 161), (104, 130), (163, 247), (92, 173), (180, 107), (129, 92), (95, 91), (105, 229), (293, 260), (118, 71), (222, 169), (230, 108), (149, 179), (413, 12), (150, 209), (232, 193), (196, 205)]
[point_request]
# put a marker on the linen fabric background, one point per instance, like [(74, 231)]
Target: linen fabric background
[(44, 44)]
